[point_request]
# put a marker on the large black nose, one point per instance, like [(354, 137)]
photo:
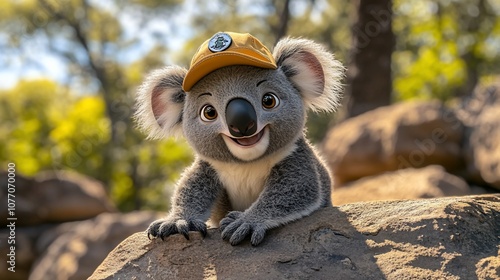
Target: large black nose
[(241, 118)]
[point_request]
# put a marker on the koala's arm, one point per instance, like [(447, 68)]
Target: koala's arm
[(194, 196), (296, 187)]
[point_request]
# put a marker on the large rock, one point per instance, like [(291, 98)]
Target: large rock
[(41, 202), (56, 197), (24, 252), (484, 96), (480, 113), (428, 182), (483, 149), (409, 134), (446, 238), (77, 252)]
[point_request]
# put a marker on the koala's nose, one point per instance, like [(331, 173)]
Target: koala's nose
[(241, 118)]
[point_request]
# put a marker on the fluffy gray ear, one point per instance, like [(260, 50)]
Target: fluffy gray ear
[(313, 70), (160, 103)]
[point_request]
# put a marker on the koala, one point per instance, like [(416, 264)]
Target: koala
[(254, 170)]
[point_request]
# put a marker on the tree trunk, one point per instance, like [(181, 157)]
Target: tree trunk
[(369, 74), (281, 28), (472, 26)]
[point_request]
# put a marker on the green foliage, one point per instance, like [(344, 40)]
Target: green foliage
[(90, 129), (442, 47), (434, 74), (162, 163), (80, 136), (25, 125), (85, 124), (45, 127), (49, 128)]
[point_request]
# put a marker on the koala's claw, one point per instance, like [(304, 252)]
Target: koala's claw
[(165, 227), (203, 231), (153, 229), (230, 217), (235, 228)]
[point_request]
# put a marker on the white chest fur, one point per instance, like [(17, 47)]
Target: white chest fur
[(245, 181)]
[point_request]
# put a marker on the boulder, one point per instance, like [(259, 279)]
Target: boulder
[(82, 246), (56, 197), (411, 183), (409, 134), (483, 149), (24, 251), (444, 238), (484, 96)]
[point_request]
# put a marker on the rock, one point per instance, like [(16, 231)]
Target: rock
[(39, 203), (48, 236), (24, 250), (445, 238), (409, 134), (76, 253), (483, 149), (484, 96), (480, 113), (428, 182), (56, 197)]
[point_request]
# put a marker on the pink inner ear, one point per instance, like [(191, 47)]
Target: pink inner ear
[(315, 66), (157, 105)]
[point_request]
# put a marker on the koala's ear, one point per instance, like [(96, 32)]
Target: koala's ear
[(160, 103), (313, 70)]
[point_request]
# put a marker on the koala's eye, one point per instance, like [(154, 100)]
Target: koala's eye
[(208, 113), (270, 101)]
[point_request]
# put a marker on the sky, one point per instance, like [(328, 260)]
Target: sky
[(36, 61), (16, 65)]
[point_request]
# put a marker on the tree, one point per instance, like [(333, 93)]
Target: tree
[(45, 126), (281, 28), (25, 128), (439, 45), (444, 48), (369, 73), (90, 38), (274, 20)]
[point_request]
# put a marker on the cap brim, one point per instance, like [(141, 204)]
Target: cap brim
[(219, 60)]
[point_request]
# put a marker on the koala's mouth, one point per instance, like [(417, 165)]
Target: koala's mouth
[(250, 140), (248, 148)]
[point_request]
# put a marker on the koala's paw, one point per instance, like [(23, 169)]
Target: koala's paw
[(165, 227), (235, 227)]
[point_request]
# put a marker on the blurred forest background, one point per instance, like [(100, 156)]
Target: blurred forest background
[(70, 68)]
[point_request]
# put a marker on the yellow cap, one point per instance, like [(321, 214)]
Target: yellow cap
[(225, 49)]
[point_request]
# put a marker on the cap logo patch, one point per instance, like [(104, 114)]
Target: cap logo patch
[(219, 42)]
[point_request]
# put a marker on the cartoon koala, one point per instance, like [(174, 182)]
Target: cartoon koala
[(243, 111)]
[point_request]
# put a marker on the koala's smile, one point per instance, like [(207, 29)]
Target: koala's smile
[(249, 147), (249, 141)]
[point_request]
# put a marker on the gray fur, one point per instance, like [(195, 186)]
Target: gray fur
[(237, 81), (247, 191)]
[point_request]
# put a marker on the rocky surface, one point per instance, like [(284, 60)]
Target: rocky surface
[(384, 154), (410, 134), (25, 252), (56, 197), (483, 149), (445, 238), (411, 183), (483, 97), (74, 250), (480, 113), (42, 203)]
